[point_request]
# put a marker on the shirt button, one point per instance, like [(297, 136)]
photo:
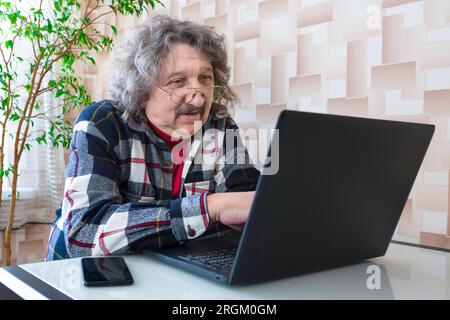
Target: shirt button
[(191, 232)]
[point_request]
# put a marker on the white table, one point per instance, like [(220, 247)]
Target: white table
[(405, 272)]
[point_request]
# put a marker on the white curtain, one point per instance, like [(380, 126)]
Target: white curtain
[(41, 169), (41, 179)]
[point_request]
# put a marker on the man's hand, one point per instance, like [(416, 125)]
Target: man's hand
[(230, 208)]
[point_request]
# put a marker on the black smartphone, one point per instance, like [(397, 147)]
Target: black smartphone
[(108, 271)]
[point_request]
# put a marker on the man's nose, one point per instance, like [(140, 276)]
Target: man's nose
[(199, 99)]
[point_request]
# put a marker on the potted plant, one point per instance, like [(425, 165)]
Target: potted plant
[(60, 33)]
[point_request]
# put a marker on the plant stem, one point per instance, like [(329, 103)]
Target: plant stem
[(12, 209)]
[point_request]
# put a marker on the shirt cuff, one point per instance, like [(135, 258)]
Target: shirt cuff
[(189, 217)]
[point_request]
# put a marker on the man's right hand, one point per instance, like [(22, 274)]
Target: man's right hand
[(230, 208)]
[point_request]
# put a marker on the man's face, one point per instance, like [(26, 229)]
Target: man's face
[(183, 67)]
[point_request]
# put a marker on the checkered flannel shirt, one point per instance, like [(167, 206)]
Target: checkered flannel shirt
[(118, 182)]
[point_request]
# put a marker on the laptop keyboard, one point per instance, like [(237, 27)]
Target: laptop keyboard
[(217, 259)]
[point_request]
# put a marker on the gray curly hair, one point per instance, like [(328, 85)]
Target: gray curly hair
[(139, 59)]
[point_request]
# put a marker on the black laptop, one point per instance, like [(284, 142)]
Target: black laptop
[(336, 200)]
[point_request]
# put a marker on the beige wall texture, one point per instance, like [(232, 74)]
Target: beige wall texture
[(387, 59)]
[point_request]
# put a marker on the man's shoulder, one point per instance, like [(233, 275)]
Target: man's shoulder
[(100, 111), (101, 119)]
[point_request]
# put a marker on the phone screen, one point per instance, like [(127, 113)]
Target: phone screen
[(109, 271)]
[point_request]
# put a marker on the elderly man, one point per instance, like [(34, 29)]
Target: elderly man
[(151, 167)]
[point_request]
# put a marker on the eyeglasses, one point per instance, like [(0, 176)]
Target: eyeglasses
[(186, 94)]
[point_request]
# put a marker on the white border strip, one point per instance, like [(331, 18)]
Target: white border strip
[(19, 287)]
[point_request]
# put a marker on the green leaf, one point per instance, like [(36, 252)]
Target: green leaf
[(58, 5), (82, 38), (5, 102), (68, 60), (7, 4), (114, 29), (49, 26), (9, 44), (59, 93), (42, 138), (92, 60), (13, 17), (63, 19)]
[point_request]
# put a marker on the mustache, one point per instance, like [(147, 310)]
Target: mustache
[(190, 109)]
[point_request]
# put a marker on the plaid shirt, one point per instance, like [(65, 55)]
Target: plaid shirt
[(118, 183)]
